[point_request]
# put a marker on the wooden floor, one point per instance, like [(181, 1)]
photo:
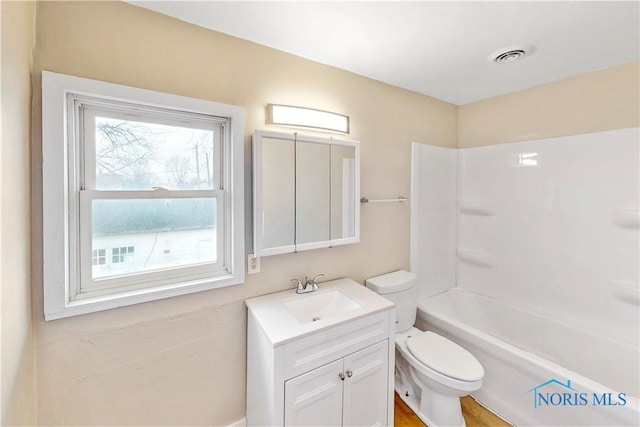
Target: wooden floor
[(475, 415)]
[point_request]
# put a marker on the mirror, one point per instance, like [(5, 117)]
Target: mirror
[(306, 192), (313, 195), (343, 192), (278, 193)]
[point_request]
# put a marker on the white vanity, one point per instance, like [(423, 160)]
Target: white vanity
[(324, 358)]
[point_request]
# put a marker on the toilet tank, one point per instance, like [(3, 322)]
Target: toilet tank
[(400, 288)]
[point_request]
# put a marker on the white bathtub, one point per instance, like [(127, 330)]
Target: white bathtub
[(521, 351)]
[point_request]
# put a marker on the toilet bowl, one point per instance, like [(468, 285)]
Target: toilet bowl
[(432, 372), (439, 372)]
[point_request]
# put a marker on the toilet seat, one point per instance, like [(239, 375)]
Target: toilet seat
[(444, 356), (445, 380)]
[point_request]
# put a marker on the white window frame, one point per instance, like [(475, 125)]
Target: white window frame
[(64, 198), (81, 131)]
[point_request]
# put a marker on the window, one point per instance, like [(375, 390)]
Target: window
[(98, 257), (143, 193), (119, 254)]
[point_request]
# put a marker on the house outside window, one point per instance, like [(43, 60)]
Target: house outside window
[(147, 177)]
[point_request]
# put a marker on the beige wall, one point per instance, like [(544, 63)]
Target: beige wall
[(17, 336), (603, 100), (182, 360)]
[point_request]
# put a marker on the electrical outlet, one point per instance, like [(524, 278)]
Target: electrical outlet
[(253, 264)]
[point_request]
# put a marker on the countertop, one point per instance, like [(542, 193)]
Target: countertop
[(281, 327)]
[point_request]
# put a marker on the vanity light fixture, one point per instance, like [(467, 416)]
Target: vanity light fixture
[(308, 118)]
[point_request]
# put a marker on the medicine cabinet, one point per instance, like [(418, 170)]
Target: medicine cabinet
[(306, 192)]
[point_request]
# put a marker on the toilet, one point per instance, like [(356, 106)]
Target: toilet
[(432, 372)]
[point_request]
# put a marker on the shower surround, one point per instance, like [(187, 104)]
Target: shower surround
[(550, 228)]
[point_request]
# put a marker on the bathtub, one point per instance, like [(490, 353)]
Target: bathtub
[(539, 371)]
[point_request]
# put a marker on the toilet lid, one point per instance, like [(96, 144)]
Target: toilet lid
[(445, 356)]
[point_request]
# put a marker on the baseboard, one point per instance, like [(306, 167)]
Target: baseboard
[(239, 423), (491, 410)]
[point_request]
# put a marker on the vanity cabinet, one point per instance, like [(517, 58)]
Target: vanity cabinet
[(351, 391), (324, 375), (306, 192)]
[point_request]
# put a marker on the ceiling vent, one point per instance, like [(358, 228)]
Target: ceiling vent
[(510, 54)]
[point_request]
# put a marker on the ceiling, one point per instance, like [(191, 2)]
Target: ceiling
[(437, 48)]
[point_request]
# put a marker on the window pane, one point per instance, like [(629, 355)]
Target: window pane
[(134, 155), (150, 234)]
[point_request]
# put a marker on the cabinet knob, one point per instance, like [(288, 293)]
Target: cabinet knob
[(341, 375), (349, 373)]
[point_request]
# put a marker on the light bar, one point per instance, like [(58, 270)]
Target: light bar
[(308, 118)]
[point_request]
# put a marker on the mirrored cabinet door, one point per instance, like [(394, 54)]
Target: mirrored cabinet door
[(278, 194), (313, 195), (306, 192), (344, 190)]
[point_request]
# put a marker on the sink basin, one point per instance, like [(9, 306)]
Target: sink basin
[(316, 306), (286, 316)]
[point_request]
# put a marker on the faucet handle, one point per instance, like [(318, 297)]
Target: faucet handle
[(299, 283), (313, 282)]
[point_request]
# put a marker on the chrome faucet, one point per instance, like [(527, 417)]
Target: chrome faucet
[(309, 285)]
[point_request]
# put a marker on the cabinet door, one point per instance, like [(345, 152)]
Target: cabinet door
[(365, 388), (344, 190), (275, 179), (313, 195), (315, 398)]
